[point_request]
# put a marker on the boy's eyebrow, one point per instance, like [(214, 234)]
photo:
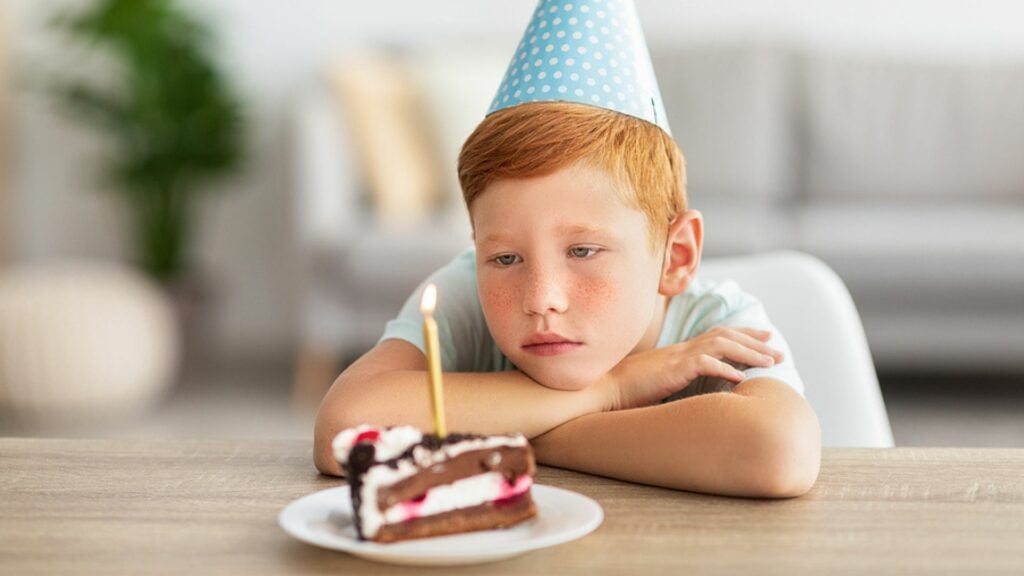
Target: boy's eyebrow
[(570, 229), (494, 238), (561, 230)]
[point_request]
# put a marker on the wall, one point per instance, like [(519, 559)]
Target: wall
[(274, 50), (5, 129)]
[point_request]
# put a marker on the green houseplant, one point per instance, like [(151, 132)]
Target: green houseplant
[(169, 112)]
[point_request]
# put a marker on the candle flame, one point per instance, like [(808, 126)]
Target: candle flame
[(429, 300)]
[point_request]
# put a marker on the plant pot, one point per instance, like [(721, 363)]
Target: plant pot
[(83, 343)]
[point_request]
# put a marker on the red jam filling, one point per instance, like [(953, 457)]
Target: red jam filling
[(368, 436)]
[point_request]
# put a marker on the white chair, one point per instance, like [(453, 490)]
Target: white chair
[(809, 303)]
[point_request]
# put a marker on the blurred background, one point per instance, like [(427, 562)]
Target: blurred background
[(207, 208)]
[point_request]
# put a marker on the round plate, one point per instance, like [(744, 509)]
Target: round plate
[(324, 518)]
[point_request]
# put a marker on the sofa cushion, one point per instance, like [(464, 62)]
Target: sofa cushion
[(898, 129), (381, 266), (937, 285), (932, 256), (385, 120), (456, 84)]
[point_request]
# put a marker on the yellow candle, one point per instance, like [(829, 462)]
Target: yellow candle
[(427, 305)]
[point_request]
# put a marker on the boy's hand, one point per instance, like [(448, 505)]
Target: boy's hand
[(644, 378)]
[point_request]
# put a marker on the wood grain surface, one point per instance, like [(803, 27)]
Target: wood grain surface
[(210, 507)]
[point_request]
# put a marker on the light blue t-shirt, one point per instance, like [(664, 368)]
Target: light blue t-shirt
[(467, 346)]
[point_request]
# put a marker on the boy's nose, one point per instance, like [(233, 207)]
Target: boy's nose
[(545, 293)]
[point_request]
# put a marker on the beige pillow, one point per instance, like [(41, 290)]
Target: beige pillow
[(456, 83), (388, 127)]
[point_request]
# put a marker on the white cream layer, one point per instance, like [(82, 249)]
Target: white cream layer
[(465, 493), (389, 442)]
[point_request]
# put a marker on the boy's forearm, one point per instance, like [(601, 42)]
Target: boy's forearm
[(761, 440), (487, 403)]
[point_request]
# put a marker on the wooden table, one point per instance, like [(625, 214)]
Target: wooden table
[(210, 507)]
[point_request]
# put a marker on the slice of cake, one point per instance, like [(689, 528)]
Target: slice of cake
[(406, 484)]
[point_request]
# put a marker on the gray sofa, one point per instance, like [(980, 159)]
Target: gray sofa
[(906, 176)]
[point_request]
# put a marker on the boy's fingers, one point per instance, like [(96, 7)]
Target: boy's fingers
[(718, 340), (762, 335), (754, 338), (743, 354), (713, 367), (732, 373), (760, 346)]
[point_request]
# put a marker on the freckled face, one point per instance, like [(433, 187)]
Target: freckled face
[(567, 278)]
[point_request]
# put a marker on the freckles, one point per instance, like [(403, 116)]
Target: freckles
[(498, 299), (591, 292)]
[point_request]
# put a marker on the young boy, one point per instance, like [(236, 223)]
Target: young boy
[(578, 319)]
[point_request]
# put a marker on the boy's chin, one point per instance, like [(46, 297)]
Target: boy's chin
[(563, 378)]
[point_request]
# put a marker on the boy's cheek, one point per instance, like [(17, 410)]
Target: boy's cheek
[(597, 289), (497, 297)]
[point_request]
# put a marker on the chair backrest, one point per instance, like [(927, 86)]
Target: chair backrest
[(809, 303)]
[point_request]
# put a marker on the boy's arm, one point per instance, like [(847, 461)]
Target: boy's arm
[(761, 440), (388, 385)]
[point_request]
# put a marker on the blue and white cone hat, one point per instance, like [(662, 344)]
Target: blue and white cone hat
[(586, 51)]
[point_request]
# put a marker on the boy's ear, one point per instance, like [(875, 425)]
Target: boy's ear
[(682, 252)]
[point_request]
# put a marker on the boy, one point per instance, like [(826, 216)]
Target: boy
[(577, 320)]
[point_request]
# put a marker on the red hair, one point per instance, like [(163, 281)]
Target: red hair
[(539, 138)]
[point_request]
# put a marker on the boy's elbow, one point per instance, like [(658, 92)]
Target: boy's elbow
[(328, 424), (790, 473), (789, 457), (323, 457)]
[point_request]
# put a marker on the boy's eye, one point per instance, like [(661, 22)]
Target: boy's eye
[(506, 259), (582, 251)]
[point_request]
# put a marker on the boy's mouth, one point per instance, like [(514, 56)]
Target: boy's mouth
[(549, 344)]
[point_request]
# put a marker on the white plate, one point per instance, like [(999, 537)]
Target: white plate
[(324, 518)]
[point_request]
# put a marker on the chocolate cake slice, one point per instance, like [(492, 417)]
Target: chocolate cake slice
[(406, 484)]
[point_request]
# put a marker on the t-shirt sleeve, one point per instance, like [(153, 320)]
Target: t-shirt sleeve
[(462, 331)]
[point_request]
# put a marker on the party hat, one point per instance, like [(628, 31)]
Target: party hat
[(586, 51)]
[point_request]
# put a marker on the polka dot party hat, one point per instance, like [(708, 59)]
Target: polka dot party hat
[(586, 51)]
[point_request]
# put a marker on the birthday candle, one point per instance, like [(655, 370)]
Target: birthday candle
[(427, 305)]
